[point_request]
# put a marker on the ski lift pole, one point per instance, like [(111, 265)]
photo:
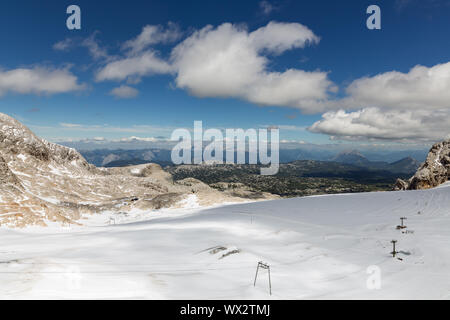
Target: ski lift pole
[(402, 219), (263, 265), (393, 248), (256, 276)]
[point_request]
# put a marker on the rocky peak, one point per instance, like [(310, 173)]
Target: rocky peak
[(16, 139), (433, 172)]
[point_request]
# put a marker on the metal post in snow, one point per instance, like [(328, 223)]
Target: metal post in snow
[(393, 249), (403, 218), (256, 276), (267, 267)]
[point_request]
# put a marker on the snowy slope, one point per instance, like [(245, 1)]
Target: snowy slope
[(318, 248)]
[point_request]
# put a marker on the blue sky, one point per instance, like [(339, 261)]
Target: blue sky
[(355, 66)]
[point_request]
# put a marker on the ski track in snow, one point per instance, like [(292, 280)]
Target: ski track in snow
[(317, 247)]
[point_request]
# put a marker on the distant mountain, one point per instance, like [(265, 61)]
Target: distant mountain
[(351, 157), (122, 158), (405, 165), (354, 157)]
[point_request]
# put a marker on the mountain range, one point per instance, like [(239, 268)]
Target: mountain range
[(121, 158)]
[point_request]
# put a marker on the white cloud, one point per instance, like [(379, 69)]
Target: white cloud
[(228, 61), (393, 105), (134, 139), (151, 35), (38, 80), (70, 125), (279, 37), (124, 92), (375, 123), (140, 60), (145, 64), (63, 45), (420, 88), (95, 50)]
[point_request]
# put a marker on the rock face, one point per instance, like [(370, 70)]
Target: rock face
[(433, 172), (7, 178), (43, 182)]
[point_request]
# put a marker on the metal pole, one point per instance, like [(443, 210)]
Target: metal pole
[(270, 283), (393, 251), (256, 276), (403, 218)]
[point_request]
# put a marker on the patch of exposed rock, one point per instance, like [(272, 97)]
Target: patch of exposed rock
[(433, 172)]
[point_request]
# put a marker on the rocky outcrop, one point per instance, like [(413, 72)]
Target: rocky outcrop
[(433, 172), (7, 178)]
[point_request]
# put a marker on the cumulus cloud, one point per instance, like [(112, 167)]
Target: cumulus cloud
[(228, 61), (38, 80), (378, 124), (414, 106), (124, 92), (420, 88)]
